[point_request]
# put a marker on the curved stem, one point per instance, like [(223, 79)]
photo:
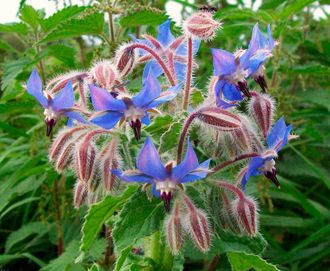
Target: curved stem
[(157, 58), (231, 187), (183, 136), (188, 74), (229, 162)]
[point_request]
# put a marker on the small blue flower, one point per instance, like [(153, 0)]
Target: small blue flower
[(232, 75), (164, 178), (132, 109), (169, 48), (55, 107), (259, 50), (265, 164)]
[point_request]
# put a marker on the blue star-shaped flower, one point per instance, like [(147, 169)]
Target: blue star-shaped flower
[(55, 107), (132, 109), (264, 164), (164, 178), (169, 48)]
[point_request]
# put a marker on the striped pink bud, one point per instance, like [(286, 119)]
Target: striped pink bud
[(227, 217), (173, 230), (104, 73), (80, 194), (242, 137), (197, 225), (201, 25), (218, 118), (261, 108), (245, 211), (59, 82), (125, 60)]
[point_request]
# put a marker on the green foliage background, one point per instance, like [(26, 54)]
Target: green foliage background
[(35, 202)]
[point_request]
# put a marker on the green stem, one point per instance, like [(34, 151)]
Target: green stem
[(167, 259), (155, 248)]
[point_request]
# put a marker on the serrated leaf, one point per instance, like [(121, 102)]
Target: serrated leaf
[(144, 17), (29, 15), (159, 125), (61, 16), (122, 258), (91, 24), (19, 28), (170, 138), (98, 214), (243, 262), (139, 217)]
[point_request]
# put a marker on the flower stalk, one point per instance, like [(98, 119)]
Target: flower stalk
[(188, 74)]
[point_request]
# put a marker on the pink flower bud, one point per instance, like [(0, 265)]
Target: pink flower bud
[(125, 60), (227, 217), (201, 25), (245, 211), (104, 73), (173, 230), (261, 108), (57, 83), (218, 118), (80, 194), (242, 137), (197, 225)]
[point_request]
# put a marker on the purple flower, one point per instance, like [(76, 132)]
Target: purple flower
[(171, 49), (132, 109), (55, 107), (259, 50), (164, 178), (276, 139), (232, 73)]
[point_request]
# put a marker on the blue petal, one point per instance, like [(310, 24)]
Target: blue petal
[(244, 182), (271, 42), (220, 86), (155, 192), (34, 87), (75, 115), (231, 93), (223, 62), (180, 71), (107, 120), (165, 36), (277, 133), (152, 67), (254, 165), (138, 177), (103, 100), (166, 96), (150, 91), (146, 119), (148, 161), (189, 163), (64, 99), (197, 175)]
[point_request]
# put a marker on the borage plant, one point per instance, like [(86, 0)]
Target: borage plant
[(96, 142)]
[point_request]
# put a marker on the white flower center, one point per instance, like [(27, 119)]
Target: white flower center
[(239, 75), (166, 186), (50, 114), (133, 113), (269, 165)]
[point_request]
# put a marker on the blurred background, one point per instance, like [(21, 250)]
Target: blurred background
[(35, 202)]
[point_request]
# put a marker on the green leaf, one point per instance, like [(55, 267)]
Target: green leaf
[(19, 28), (170, 138), (243, 262), (33, 228), (310, 69), (91, 24), (5, 258), (98, 214), (139, 217), (241, 14), (293, 7), (63, 53), (196, 98), (144, 17), (159, 125), (61, 16), (122, 257), (6, 46), (29, 15)]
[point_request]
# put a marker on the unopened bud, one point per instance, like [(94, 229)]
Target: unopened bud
[(219, 118), (173, 229), (261, 108), (201, 25), (241, 137), (197, 225), (227, 217), (80, 194), (245, 211), (105, 74), (59, 82), (125, 60)]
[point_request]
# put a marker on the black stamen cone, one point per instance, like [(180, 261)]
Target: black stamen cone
[(136, 126), (167, 197), (262, 82), (50, 124), (271, 175), (242, 85)]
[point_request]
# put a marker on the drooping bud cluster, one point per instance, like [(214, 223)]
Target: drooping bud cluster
[(125, 60)]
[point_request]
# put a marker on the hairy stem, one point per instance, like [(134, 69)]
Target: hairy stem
[(183, 136), (157, 58), (188, 75), (108, 250), (214, 262), (231, 187)]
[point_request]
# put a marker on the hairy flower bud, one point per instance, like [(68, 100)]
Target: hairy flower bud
[(218, 118), (80, 194), (261, 108), (201, 25), (173, 230), (242, 137), (104, 73), (59, 82), (227, 217), (197, 225), (245, 211), (125, 60)]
